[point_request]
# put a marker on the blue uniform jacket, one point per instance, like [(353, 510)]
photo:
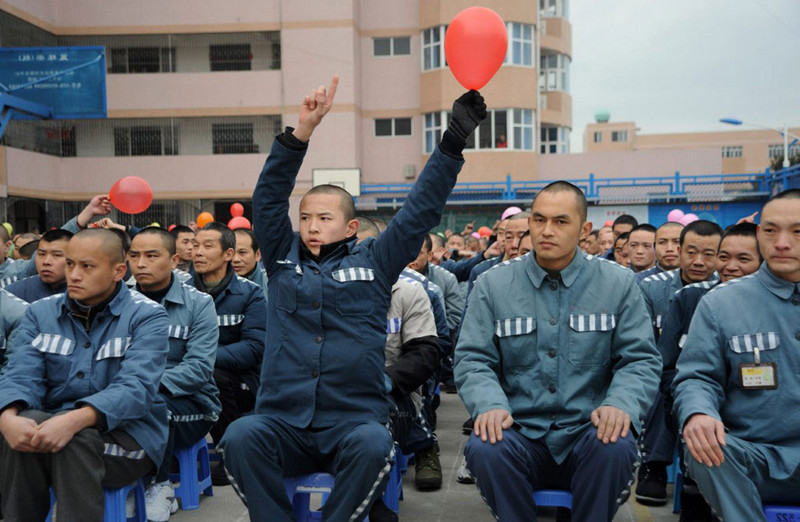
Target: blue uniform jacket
[(324, 360), (32, 289), (116, 367), (12, 310), (676, 326), (193, 338), (550, 352), (241, 317), (453, 301), (641, 276), (12, 271), (756, 311), (462, 268)]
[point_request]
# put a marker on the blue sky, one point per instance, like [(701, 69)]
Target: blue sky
[(680, 65)]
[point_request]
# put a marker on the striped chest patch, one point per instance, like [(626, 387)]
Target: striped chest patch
[(515, 326), (53, 343), (592, 322), (229, 319), (115, 347), (762, 341), (353, 274)]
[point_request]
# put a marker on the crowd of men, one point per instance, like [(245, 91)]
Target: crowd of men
[(580, 354)]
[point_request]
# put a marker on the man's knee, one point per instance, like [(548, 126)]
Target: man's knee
[(623, 451), (478, 451), (248, 432), (370, 440)]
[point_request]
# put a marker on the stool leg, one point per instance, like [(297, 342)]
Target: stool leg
[(188, 490), (205, 470)]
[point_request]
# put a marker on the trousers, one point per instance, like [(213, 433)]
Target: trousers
[(187, 424), (78, 473), (507, 473), (259, 451), (236, 400)]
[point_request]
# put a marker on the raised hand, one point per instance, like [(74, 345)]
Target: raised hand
[(315, 106), (99, 206)]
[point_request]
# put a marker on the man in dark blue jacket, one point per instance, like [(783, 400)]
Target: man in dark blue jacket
[(51, 266), (241, 316), (323, 402)]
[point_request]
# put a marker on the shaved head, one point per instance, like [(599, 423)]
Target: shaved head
[(110, 243)]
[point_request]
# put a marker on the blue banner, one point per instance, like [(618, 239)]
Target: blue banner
[(71, 80)]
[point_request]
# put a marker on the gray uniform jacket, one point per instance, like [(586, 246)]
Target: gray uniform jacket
[(721, 337), (551, 351)]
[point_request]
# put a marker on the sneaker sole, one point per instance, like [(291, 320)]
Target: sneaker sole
[(651, 501), (428, 486)]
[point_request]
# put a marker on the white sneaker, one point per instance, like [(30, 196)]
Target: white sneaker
[(159, 501), (464, 476)]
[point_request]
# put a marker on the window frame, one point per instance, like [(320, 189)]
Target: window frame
[(392, 46)]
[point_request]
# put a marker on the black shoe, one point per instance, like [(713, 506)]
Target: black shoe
[(468, 426), (694, 507), (651, 489), (380, 513), (428, 470), (219, 477)]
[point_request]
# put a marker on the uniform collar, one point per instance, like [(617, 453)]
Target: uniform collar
[(114, 306), (568, 274), (780, 287), (175, 292)]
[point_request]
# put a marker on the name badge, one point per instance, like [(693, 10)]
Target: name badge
[(758, 376)]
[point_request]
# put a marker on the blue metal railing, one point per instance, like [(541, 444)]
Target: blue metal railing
[(756, 185)]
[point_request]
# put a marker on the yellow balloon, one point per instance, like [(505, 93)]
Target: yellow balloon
[(155, 224), (9, 228)]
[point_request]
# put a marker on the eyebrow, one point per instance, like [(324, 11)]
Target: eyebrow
[(795, 224), (560, 216)]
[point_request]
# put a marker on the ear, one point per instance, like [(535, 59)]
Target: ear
[(258, 255), (352, 228), (174, 260), (228, 255), (120, 269), (586, 228)]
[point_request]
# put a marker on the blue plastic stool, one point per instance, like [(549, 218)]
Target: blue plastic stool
[(115, 503), (553, 498), (676, 494), (192, 482), (776, 513), (299, 490)]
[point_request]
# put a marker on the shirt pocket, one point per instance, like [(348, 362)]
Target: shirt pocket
[(56, 348), (747, 343), (517, 343), (590, 339), (354, 290), (285, 281)]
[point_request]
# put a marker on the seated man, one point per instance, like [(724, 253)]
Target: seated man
[(622, 255), (241, 317), (641, 247), (51, 266), (323, 404), (556, 362), (184, 245), (80, 403), (667, 247), (736, 388), (25, 245), (187, 385), (12, 309), (247, 259)]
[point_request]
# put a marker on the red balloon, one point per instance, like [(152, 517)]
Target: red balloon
[(239, 222), (131, 194), (237, 210), (475, 46), (609, 223), (169, 228), (204, 218)]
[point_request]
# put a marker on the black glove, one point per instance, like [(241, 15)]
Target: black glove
[(468, 112)]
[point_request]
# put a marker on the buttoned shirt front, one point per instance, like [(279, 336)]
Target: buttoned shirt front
[(721, 337), (550, 351)]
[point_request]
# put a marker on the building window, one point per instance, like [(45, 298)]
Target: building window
[(554, 8), (732, 152), (145, 140), (393, 127), (233, 138), (523, 129), (554, 140), (554, 72), (394, 46), (432, 48), (619, 135), (56, 140), (234, 57), (598, 137), (142, 60), (502, 129), (520, 44), (776, 150)]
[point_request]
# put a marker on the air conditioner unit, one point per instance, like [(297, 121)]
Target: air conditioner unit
[(409, 171)]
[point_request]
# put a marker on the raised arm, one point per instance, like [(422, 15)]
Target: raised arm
[(271, 222), (400, 243)]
